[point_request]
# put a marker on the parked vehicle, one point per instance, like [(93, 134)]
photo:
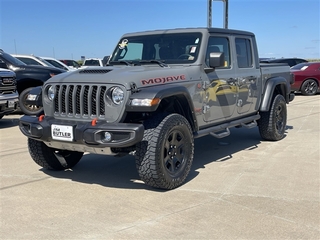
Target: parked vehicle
[(307, 78), (290, 61), (32, 60), (161, 90), (9, 97), (28, 77), (93, 62), (57, 63), (71, 63)]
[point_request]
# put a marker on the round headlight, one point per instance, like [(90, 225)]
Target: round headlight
[(51, 93), (117, 95)]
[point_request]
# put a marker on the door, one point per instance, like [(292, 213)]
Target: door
[(220, 91), (248, 75)]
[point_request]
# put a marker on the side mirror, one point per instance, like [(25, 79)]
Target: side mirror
[(216, 59)]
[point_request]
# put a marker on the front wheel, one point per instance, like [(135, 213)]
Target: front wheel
[(26, 108), (272, 123), (309, 87), (164, 156), (51, 158)]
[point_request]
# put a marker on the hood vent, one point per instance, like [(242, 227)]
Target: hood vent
[(99, 71)]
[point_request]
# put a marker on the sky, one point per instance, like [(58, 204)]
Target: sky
[(69, 29)]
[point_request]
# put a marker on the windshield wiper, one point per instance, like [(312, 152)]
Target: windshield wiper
[(128, 63), (161, 63)]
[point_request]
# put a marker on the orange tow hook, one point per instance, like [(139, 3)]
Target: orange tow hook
[(94, 122), (41, 117)]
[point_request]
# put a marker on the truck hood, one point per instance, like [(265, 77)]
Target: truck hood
[(142, 76), (34, 68)]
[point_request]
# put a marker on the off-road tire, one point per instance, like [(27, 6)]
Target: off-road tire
[(164, 156), (309, 87), (47, 157), (26, 108), (272, 124)]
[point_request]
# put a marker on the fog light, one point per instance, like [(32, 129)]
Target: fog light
[(107, 137)]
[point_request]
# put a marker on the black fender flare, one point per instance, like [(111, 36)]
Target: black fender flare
[(161, 92), (157, 92), (278, 83)]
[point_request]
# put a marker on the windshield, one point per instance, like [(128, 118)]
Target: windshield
[(56, 64), (12, 60), (168, 48), (44, 61)]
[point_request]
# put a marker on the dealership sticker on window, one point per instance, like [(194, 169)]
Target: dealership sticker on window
[(61, 132), (123, 44)]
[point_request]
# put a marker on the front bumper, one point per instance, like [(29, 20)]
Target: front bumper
[(83, 133)]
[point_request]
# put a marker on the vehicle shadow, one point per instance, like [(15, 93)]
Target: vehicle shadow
[(8, 121), (120, 172)]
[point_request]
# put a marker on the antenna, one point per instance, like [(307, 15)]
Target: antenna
[(225, 10)]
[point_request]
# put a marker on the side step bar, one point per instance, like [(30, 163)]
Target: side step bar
[(222, 130)]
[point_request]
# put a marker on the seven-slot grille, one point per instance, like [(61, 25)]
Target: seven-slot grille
[(80, 100)]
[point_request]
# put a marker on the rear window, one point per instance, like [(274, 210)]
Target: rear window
[(300, 66), (91, 63)]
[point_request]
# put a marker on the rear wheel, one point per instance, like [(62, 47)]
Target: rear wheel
[(51, 158), (272, 124), (164, 156), (309, 87), (27, 108)]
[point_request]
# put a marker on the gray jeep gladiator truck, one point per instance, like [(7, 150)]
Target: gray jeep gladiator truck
[(9, 97), (159, 91)]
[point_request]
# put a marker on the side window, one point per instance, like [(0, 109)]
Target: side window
[(219, 44), (244, 53), (29, 61)]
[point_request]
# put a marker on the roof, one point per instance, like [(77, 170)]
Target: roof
[(184, 30)]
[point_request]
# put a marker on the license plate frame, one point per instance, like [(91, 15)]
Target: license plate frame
[(62, 132), (11, 103)]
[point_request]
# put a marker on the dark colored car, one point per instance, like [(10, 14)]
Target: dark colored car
[(27, 77), (307, 78), (290, 61)]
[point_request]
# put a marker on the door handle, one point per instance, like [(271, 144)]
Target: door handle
[(231, 81), (252, 78)]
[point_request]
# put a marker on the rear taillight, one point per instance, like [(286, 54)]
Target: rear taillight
[(292, 78)]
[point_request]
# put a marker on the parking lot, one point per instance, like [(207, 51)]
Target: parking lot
[(239, 187)]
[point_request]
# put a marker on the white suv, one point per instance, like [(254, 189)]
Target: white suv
[(32, 60), (57, 63), (93, 62)]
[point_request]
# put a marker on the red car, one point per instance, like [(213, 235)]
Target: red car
[(307, 78)]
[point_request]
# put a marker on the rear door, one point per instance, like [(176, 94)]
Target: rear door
[(248, 74)]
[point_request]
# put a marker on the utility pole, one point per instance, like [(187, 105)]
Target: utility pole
[(225, 11)]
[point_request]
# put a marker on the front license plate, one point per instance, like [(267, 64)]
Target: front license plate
[(10, 104), (62, 133)]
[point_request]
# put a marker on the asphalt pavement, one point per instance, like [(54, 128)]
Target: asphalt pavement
[(239, 187)]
